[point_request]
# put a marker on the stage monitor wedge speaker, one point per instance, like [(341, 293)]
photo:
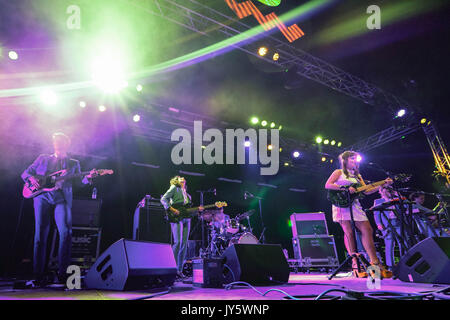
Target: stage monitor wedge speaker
[(133, 265), (257, 264), (426, 262)]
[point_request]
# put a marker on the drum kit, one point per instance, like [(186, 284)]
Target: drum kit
[(224, 232)]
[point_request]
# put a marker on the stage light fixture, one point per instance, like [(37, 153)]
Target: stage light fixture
[(280, 127), (339, 144), (254, 120), (108, 74), (136, 118), (296, 154), (49, 97), (272, 125), (101, 108), (358, 158), (269, 147), (401, 113), (276, 56), (262, 51), (247, 144), (264, 123), (324, 159), (281, 149), (333, 142), (326, 141), (13, 55), (83, 104), (319, 139), (139, 88), (286, 164), (423, 120)]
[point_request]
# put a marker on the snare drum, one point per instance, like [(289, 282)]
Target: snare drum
[(232, 226), (244, 238)]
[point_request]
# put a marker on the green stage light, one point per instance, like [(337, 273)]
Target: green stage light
[(333, 142), (339, 144), (272, 125), (139, 88), (319, 139), (280, 127), (254, 120), (264, 123), (326, 141)]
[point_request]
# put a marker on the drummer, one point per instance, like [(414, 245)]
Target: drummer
[(219, 219), (423, 216)]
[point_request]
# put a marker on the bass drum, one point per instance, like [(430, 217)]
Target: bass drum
[(244, 238)]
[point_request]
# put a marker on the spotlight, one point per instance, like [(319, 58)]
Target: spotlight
[(203, 147), (13, 55), (401, 113), (254, 120), (326, 141), (331, 160), (423, 120), (358, 158), (48, 97), (269, 147), (319, 139), (296, 154), (339, 144), (108, 73), (136, 118), (324, 159), (280, 127), (276, 56), (83, 104), (286, 164), (139, 88), (272, 125), (333, 142), (262, 51), (247, 144), (264, 123), (101, 108), (281, 149)]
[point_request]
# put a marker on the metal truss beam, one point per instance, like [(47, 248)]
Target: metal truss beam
[(209, 22)]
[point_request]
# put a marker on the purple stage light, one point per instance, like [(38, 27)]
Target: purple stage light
[(358, 158), (136, 118)]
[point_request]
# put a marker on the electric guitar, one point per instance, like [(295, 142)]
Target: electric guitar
[(189, 212), (54, 181), (343, 199)]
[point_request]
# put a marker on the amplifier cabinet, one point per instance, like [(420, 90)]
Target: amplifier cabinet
[(85, 247), (308, 224), (319, 251), (150, 224)]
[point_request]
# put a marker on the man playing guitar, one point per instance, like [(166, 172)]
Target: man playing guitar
[(61, 199)]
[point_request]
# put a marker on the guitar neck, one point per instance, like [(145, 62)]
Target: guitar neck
[(206, 207), (370, 186), (71, 176)]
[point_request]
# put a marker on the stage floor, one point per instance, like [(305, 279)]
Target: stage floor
[(300, 285)]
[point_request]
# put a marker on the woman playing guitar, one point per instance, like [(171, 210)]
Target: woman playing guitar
[(177, 195), (340, 179)]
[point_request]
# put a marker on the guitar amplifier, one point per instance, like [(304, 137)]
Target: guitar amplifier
[(308, 224), (85, 247), (150, 222), (86, 212), (319, 251)]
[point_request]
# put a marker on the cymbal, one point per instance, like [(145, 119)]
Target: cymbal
[(245, 214)]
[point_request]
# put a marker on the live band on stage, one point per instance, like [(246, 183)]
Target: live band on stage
[(401, 220)]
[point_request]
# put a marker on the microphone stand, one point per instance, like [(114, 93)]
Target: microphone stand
[(262, 236), (204, 248)]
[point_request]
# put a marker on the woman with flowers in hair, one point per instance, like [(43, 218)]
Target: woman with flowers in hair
[(341, 179)]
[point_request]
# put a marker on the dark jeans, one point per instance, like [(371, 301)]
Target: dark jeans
[(390, 241), (180, 232), (63, 218)]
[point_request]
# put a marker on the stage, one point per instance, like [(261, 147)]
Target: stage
[(301, 286)]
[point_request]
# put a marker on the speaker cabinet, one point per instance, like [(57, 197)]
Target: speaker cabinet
[(133, 265), (150, 224), (426, 262), (257, 264)]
